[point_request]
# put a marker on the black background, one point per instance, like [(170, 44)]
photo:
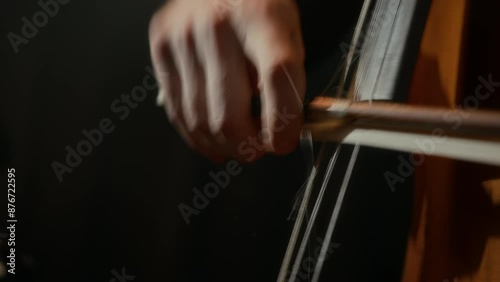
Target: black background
[(119, 208)]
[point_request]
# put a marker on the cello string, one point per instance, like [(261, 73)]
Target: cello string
[(347, 67), (298, 198), (377, 80), (303, 201), (360, 26), (309, 187), (358, 31), (306, 140), (295, 91), (304, 192), (307, 192), (309, 146), (355, 42), (341, 196), (366, 54), (306, 145), (300, 217), (306, 237), (366, 81), (335, 215), (305, 137), (354, 155)]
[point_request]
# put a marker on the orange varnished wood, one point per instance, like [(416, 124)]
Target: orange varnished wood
[(455, 229)]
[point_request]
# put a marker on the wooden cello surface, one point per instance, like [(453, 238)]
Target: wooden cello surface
[(455, 232)]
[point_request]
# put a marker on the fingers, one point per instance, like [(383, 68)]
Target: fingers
[(170, 85), (181, 86), (228, 88), (194, 98), (211, 60), (274, 44)]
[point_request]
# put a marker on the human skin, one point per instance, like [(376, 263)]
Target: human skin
[(212, 56)]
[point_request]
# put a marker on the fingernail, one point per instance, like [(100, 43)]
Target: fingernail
[(160, 99)]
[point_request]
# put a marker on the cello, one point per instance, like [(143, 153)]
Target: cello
[(455, 219)]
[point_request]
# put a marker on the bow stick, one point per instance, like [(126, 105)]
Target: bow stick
[(459, 133)]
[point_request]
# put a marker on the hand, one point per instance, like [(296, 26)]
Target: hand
[(212, 56)]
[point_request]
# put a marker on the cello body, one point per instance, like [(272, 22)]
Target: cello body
[(455, 231)]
